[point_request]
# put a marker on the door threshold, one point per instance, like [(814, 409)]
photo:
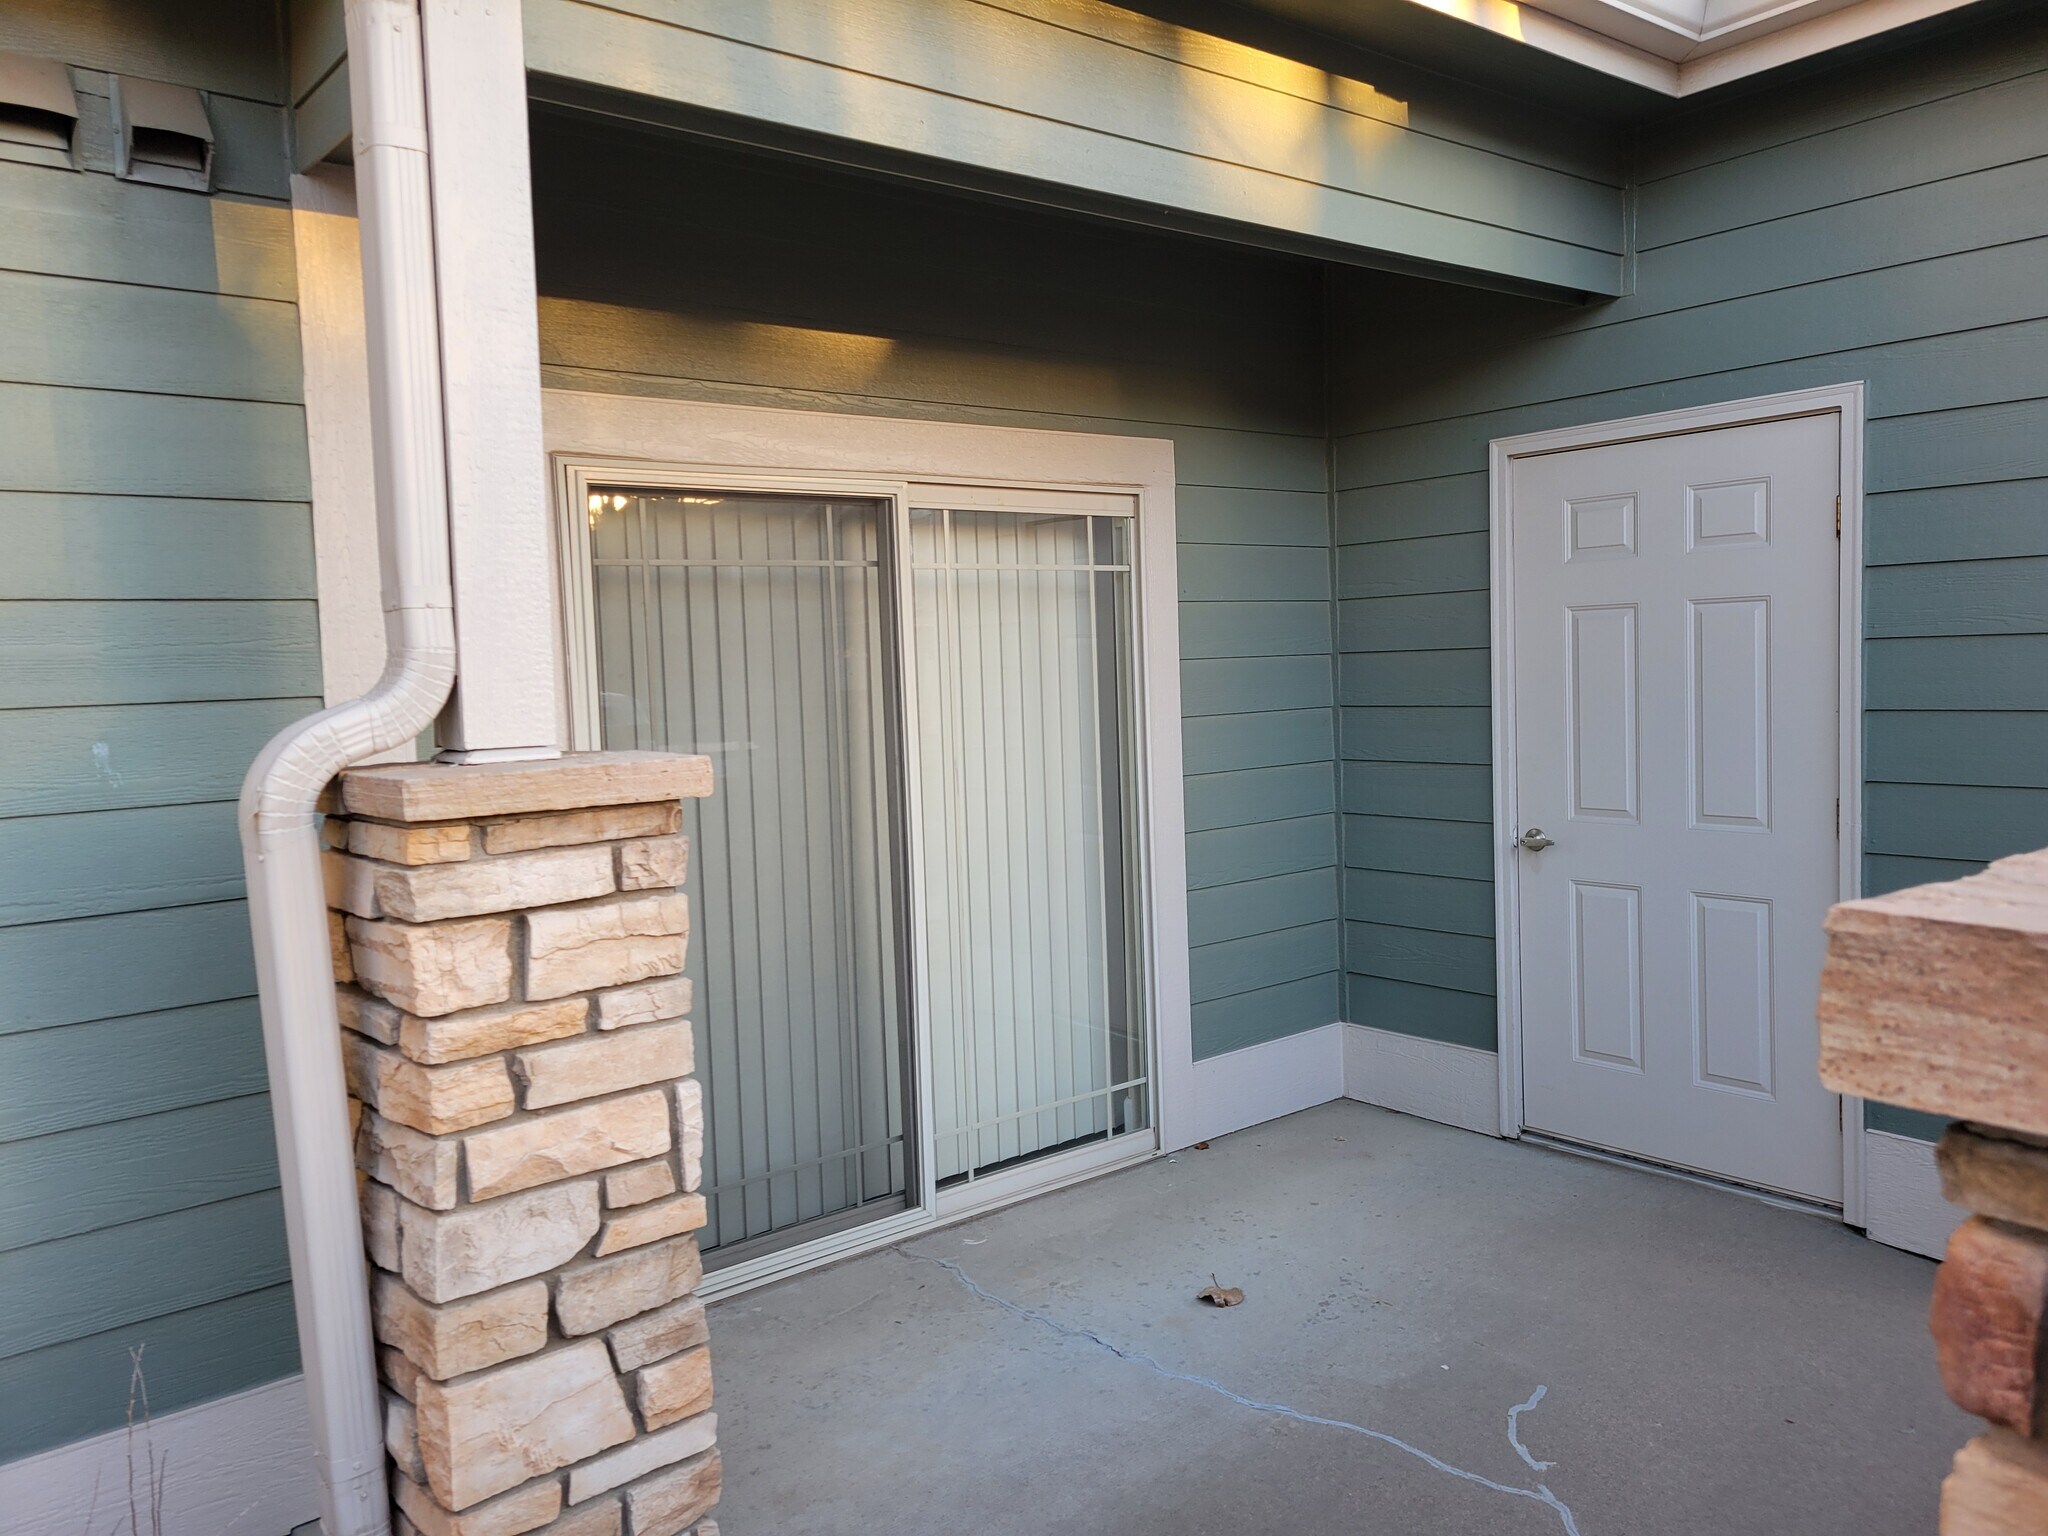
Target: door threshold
[(979, 1198), (1773, 1197)]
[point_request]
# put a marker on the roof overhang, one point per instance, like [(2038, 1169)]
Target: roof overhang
[(1681, 47)]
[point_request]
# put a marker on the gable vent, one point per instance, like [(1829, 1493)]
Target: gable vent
[(161, 134)]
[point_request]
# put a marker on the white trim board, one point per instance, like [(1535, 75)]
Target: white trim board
[(1450, 1084), (1902, 1203), (236, 1466), (604, 437), (1257, 1083), (327, 243), (1456, 1085), (1842, 400)]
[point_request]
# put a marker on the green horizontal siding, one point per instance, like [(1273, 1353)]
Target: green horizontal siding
[(1246, 907), (190, 1354), (1088, 104), (1254, 796), (137, 651), (1270, 1013), (101, 862), (1099, 329), (62, 546), (117, 1069), (156, 627), (1885, 221)]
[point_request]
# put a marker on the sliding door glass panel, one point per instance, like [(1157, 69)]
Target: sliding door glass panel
[(750, 627), (1022, 731)]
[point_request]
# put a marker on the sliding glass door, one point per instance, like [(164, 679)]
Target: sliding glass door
[(1022, 643), (913, 890)]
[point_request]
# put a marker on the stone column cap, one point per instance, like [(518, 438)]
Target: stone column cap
[(573, 782)]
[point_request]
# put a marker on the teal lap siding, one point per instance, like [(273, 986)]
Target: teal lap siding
[(156, 625), (713, 275), (1884, 220)]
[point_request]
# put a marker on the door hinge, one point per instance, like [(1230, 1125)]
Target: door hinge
[(1838, 815), (1838, 517)]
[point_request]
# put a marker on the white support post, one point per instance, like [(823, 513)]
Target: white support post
[(508, 687), (328, 245)]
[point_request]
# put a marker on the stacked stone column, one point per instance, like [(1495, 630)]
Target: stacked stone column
[(1937, 998), (509, 940)]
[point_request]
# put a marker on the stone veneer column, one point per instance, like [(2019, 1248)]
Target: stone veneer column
[(508, 943)]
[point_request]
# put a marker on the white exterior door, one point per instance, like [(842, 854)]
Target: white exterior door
[(1676, 736)]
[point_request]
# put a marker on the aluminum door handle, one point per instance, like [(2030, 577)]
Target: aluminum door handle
[(1534, 840)]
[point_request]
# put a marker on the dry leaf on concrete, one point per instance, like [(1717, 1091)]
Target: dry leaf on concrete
[(1219, 1295)]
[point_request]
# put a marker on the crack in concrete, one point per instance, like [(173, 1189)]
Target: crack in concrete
[(1540, 1494), (1515, 1439)]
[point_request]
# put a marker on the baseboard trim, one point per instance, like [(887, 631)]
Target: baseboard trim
[(1902, 1204), (1451, 1084), (236, 1466), (1258, 1083)]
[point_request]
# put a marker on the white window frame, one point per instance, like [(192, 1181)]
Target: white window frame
[(592, 437), (1844, 402)]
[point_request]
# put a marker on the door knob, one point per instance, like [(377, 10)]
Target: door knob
[(1534, 840)]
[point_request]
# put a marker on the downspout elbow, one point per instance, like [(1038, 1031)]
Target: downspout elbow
[(295, 976)]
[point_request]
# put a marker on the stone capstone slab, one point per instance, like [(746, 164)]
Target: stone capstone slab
[(410, 792)]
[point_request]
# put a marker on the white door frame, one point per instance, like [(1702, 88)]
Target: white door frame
[(674, 441), (1842, 400)]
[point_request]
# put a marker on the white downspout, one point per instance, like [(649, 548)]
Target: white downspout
[(280, 837)]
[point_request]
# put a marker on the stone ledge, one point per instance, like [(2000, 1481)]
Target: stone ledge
[(1931, 997), (409, 792)]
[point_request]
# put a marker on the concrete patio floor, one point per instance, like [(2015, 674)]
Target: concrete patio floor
[(1686, 1360)]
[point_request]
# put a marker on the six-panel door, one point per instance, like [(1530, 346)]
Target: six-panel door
[(1676, 719)]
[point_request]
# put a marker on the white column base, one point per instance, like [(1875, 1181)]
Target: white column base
[(1451, 1084), (1902, 1204), (1263, 1082)]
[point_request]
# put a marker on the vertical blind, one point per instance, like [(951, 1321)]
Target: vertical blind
[(1021, 628), (749, 628), (756, 628)]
